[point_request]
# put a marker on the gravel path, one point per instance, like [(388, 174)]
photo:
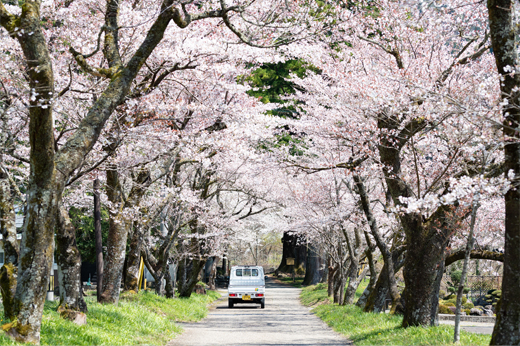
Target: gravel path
[(284, 321)]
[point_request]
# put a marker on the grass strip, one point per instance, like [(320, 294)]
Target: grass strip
[(380, 329), (139, 319)]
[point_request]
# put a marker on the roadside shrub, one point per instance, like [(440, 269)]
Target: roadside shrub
[(454, 300), (448, 303), (468, 305), (443, 309), (467, 311)]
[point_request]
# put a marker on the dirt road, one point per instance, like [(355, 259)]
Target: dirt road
[(284, 321)]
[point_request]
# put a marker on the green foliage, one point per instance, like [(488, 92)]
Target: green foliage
[(443, 309), (455, 277), (139, 319), (468, 305), (447, 303), (83, 221), (296, 145), (271, 83)]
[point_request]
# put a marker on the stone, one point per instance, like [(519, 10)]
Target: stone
[(488, 312), (74, 316), (475, 312)]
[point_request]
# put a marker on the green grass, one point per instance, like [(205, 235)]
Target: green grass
[(139, 319), (297, 281), (381, 329)]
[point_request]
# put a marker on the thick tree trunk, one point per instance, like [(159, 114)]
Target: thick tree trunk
[(435, 297), (116, 241), (68, 259), (293, 247), (11, 249), (420, 273), (119, 228), (426, 239), (99, 240), (113, 272), (189, 271), (312, 267), (133, 259), (503, 23), (37, 242), (376, 299)]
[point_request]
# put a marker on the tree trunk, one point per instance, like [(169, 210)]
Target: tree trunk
[(426, 239), (353, 284), (337, 294), (503, 23), (354, 249), (293, 247), (170, 283), (133, 260), (189, 276), (376, 299), (11, 249), (330, 277), (387, 255), (469, 247), (68, 259), (362, 301), (373, 272), (312, 266), (420, 273), (435, 296), (37, 245), (224, 265), (99, 240), (213, 274), (116, 242)]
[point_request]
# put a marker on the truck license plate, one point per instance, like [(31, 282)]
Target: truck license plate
[(246, 297)]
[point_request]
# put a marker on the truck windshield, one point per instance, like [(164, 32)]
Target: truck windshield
[(247, 272)]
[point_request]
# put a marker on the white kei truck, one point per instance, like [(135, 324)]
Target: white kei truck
[(246, 285)]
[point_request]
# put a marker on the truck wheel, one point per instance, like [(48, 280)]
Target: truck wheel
[(230, 304), (262, 303)]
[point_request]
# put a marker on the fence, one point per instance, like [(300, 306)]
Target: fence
[(480, 285)]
